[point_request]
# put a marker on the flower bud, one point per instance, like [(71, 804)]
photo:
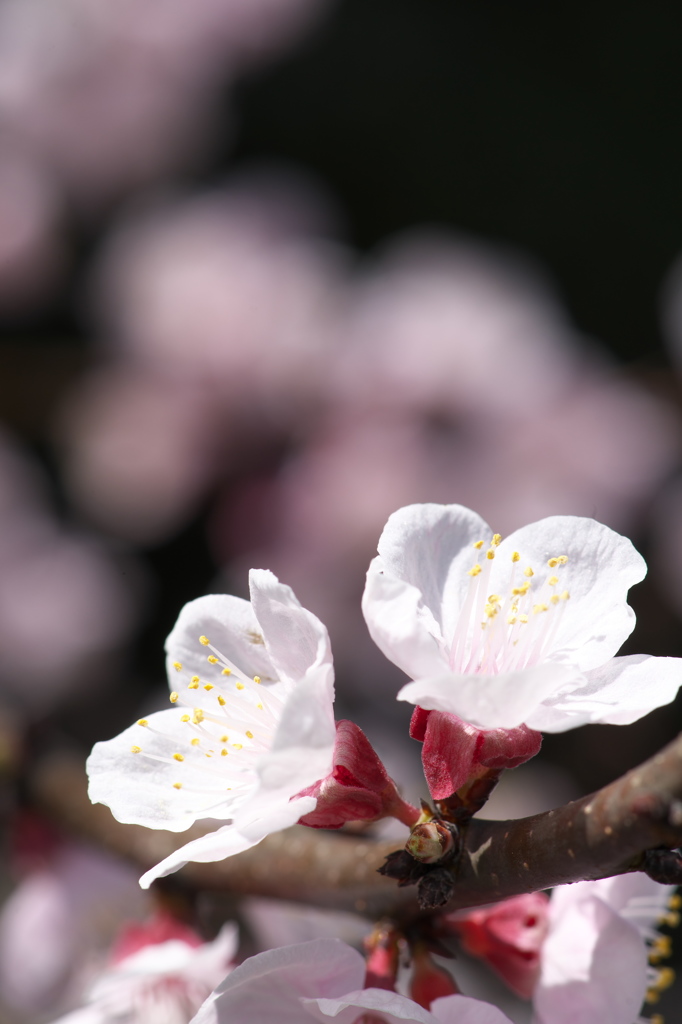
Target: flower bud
[(430, 841)]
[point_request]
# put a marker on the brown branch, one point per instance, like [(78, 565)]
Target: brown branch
[(603, 834)]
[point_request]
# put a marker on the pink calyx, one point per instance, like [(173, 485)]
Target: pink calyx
[(358, 787), (455, 751)]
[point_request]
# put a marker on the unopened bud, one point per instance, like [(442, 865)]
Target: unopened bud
[(430, 842)]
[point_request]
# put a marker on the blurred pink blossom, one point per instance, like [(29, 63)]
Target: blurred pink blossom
[(219, 288), (140, 449), (57, 925)]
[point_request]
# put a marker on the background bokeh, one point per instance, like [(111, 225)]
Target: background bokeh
[(270, 269)]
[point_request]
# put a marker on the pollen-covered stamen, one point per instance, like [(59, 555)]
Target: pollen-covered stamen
[(514, 629)]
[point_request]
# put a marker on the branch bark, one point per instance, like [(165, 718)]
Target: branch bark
[(599, 835)]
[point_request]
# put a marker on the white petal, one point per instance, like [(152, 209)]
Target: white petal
[(393, 1008), (230, 625), (296, 640), (140, 791), (402, 627), (620, 692), (602, 566), (593, 968), (303, 747), (251, 827), (462, 1010), (492, 702), (269, 987)]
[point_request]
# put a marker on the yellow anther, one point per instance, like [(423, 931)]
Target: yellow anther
[(249, 734), (511, 619), (185, 718), (259, 706), (553, 580), (237, 746), (212, 658), (675, 902), (565, 595), (516, 557), (178, 757), (494, 598), (523, 618), (198, 716), (652, 996), (223, 752), (528, 572), (661, 948), (537, 608), (497, 540), (490, 554), (474, 570), (554, 599), (177, 665), (204, 640), (209, 686), (478, 544), (523, 589), (142, 721), (664, 979), (195, 741), (209, 755), (194, 684), (562, 559), (559, 560), (226, 672), (240, 686), (177, 785), (173, 697), (136, 750), (491, 611), (256, 679), (194, 679), (224, 739), (672, 919), (221, 701), (656, 1018)]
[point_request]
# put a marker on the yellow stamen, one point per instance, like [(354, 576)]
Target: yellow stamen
[(478, 544), (221, 701), (226, 672), (136, 750), (177, 665), (195, 741), (198, 716), (204, 640), (178, 757), (249, 734), (173, 697), (237, 746), (475, 570), (490, 554), (516, 557), (240, 686), (256, 679), (142, 721), (177, 785), (223, 752), (553, 580), (497, 540), (212, 658), (185, 718), (209, 686), (224, 739), (537, 608)]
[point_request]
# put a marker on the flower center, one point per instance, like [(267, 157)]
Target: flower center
[(511, 630), (225, 734)]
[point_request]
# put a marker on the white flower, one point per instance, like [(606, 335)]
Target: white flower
[(319, 980), (163, 983), (520, 630), (251, 725), (594, 961)]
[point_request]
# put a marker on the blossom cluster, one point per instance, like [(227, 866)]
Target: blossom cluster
[(501, 640)]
